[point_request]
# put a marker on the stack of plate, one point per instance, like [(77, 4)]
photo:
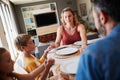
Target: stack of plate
[(79, 43), (66, 51)]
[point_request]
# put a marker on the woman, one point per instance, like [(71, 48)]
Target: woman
[(6, 68), (71, 30)]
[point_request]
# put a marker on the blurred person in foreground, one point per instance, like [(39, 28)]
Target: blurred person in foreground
[(101, 60)]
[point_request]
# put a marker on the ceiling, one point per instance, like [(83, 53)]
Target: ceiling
[(25, 1)]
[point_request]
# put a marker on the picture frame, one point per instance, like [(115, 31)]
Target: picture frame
[(53, 6), (83, 9)]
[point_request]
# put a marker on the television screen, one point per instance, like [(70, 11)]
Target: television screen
[(45, 19)]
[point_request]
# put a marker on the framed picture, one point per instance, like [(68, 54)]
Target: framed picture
[(83, 9), (53, 6)]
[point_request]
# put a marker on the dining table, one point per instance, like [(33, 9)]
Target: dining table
[(67, 63)]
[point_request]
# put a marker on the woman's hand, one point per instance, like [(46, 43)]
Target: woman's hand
[(49, 48), (83, 48), (52, 46)]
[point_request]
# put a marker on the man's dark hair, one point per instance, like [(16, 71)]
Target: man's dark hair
[(110, 7)]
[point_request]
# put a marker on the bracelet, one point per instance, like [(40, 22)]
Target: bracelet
[(84, 43), (42, 59)]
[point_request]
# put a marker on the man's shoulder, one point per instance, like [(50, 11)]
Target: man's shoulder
[(97, 45), (103, 47), (97, 48)]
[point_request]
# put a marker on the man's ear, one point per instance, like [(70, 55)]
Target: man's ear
[(103, 17), (22, 47)]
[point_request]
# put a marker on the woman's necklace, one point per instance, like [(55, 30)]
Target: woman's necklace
[(70, 30)]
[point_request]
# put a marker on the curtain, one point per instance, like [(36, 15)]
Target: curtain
[(9, 27)]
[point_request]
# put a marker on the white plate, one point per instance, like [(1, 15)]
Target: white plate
[(79, 43), (70, 68), (89, 41), (58, 48), (93, 40), (66, 51)]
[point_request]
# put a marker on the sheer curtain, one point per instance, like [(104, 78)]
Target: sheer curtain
[(9, 27), (0, 43)]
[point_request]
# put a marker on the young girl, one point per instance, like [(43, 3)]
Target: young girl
[(24, 43), (6, 68)]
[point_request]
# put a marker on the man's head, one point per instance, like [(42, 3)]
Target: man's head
[(106, 14)]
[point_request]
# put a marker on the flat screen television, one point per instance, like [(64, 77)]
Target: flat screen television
[(45, 19)]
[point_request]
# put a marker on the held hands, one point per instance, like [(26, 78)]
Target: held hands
[(51, 47), (50, 62)]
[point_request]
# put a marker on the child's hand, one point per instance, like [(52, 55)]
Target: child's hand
[(63, 76), (47, 65), (51, 46), (47, 50), (50, 62), (45, 53)]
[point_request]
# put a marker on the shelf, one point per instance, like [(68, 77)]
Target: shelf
[(47, 38)]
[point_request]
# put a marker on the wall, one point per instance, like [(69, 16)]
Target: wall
[(60, 5), (11, 5), (88, 6), (88, 17)]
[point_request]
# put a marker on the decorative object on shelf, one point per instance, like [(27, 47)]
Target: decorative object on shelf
[(83, 9), (53, 7)]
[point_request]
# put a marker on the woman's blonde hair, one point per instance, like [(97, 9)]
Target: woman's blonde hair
[(21, 40), (75, 19)]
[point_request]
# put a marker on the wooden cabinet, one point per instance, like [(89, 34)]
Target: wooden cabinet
[(47, 38)]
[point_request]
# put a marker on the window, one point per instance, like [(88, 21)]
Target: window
[(9, 27)]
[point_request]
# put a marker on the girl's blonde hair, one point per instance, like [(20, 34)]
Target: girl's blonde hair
[(21, 40), (75, 19)]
